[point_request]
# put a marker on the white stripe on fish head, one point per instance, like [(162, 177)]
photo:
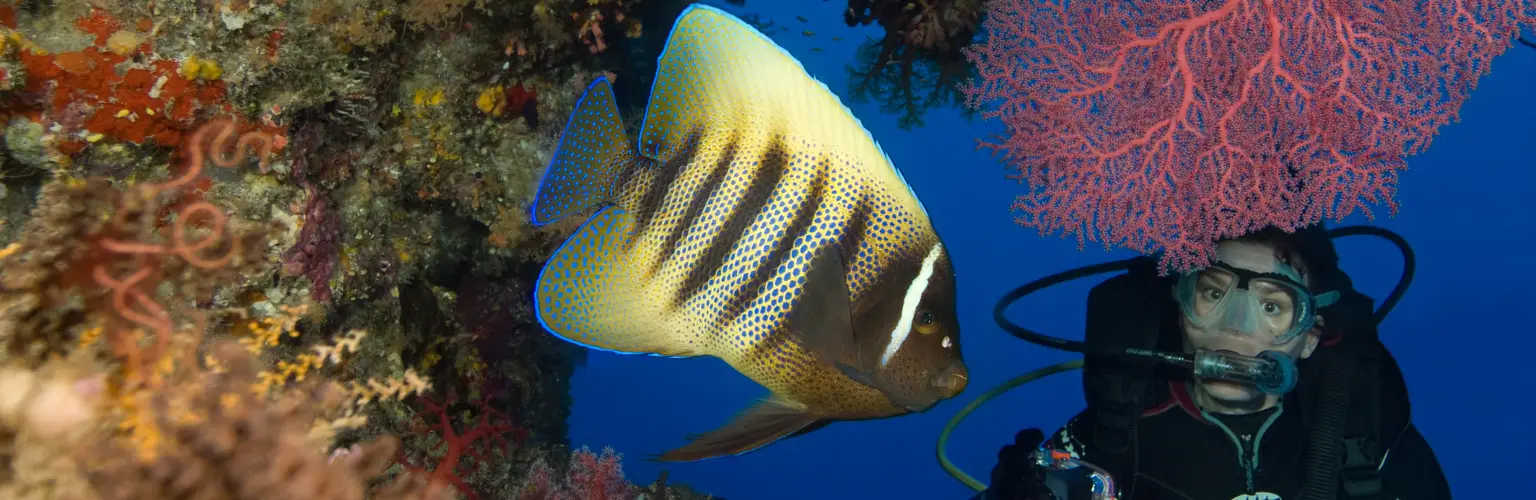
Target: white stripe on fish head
[(909, 305)]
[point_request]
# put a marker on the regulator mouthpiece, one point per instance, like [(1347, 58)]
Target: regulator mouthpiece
[(1271, 371)]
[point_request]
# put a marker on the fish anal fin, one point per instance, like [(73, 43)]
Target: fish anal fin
[(592, 152), (586, 294), (815, 426), (763, 423)]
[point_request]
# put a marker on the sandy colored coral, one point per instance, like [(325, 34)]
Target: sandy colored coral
[(44, 413), (230, 443)]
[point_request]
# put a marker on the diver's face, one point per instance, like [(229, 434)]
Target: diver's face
[(1258, 258)]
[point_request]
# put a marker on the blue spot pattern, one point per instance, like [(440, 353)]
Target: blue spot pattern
[(587, 160)]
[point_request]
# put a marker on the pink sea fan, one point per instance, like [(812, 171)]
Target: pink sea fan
[(1171, 125)]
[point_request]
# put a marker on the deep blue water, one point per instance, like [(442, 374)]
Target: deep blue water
[(1463, 334)]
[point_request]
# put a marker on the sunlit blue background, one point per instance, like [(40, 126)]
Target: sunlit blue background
[(1463, 334)]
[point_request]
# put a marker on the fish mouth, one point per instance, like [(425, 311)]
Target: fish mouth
[(952, 381)]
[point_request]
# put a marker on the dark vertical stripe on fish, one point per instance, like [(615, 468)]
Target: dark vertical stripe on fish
[(804, 215), (767, 174), (767, 348), (649, 205), (696, 203), (856, 232)]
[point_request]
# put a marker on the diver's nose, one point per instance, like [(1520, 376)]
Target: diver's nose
[(952, 380)]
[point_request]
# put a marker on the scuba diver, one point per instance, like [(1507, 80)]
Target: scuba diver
[(1259, 377)]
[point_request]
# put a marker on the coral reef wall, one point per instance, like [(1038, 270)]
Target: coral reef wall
[(280, 247)]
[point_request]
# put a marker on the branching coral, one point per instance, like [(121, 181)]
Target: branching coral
[(232, 443), (466, 448)]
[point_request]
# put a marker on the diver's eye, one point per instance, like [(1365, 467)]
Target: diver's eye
[(1211, 294), (1273, 308), (925, 322)]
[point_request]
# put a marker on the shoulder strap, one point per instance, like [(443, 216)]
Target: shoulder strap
[(1359, 393), (1359, 476), (1123, 312)]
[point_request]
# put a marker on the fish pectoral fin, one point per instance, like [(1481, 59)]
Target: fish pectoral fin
[(860, 376), (586, 294), (769, 420), (592, 152), (823, 317)]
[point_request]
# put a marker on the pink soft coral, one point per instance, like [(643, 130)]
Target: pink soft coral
[(588, 477)]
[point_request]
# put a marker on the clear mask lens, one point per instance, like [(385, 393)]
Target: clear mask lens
[(1219, 298)]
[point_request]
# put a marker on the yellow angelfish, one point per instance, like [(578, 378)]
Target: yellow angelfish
[(758, 223)]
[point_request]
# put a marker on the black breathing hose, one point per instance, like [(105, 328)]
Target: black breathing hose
[(1000, 312)]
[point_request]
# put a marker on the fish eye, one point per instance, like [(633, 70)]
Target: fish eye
[(925, 322)]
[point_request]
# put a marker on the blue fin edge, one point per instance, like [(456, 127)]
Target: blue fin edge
[(533, 208)]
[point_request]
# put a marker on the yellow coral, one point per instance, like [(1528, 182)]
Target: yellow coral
[(88, 337), (371, 390), (267, 332), (194, 68), (492, 100), (303, 363), (139, 423), (427, 97)]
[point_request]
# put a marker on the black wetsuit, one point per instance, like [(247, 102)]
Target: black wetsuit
[(1184, 454)]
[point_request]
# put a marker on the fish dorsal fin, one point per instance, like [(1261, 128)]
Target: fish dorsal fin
[(593, 150), (717, 72)]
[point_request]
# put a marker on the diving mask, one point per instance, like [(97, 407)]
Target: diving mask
[(1222, 297)]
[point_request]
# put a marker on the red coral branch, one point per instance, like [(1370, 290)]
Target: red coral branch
[(1171, 125), (487, 434)]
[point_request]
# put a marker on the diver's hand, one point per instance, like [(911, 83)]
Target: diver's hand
[(1016, 477)]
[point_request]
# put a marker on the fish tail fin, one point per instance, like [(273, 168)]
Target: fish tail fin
[(592, 152), (588, 294), (769, 420)]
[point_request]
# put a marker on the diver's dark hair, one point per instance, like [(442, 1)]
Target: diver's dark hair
[(1309, 249)]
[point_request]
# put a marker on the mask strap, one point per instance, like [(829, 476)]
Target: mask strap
[(1326, 299)]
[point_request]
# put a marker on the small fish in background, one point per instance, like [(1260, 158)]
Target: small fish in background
[(802, 19), (817, 49), (837, 39), (808, 33), (759, 223)]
